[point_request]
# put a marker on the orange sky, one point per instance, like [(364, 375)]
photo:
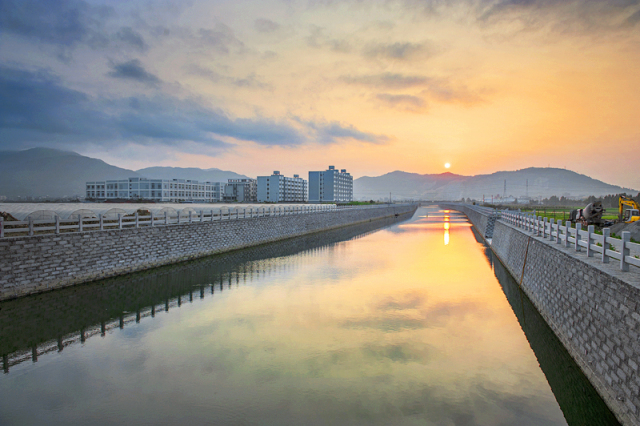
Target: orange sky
[(373, 87)]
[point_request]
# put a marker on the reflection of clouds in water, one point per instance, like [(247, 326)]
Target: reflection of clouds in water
[(411, 311)]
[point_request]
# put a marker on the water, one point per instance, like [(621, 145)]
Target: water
[(390, 322)]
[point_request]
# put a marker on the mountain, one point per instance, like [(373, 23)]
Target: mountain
[(542, 182), (51, 172), (205, 175)]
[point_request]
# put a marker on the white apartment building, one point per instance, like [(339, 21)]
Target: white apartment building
[(280, 189), (330, 186), (241, 190), (173, 190)]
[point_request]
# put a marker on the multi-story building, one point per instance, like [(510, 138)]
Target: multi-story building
[(330, 186), (280, 189), (241, 190), (159, 190)]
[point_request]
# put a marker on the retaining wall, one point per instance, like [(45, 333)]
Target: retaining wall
[(593, 308), (43, 262)]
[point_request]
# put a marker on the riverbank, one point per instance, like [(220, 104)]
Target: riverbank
[(592, 307), (33, 264)]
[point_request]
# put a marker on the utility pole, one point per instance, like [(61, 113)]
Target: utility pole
[(504, 195), (389, 197), (527, 193)]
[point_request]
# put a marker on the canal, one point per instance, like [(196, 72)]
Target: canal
[(394, 322)]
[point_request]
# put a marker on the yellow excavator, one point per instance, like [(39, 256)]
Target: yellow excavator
[(632, 214)]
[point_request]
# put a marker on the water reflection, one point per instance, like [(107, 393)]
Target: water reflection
[(385, 328)]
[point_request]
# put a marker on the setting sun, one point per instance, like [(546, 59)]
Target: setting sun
[(447, 165)]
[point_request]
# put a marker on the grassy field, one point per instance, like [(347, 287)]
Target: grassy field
[(562, 213)]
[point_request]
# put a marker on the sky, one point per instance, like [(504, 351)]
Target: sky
[(370, 86)]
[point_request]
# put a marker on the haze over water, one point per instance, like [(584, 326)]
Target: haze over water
[(403, 325)]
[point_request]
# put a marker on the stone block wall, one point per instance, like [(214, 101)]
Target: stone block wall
[(34, 264), (592, 308)]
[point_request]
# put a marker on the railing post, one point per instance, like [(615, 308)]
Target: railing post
[(577, 242), (166, 218), (30, 226), (567, 227), (590, 230), (2, 227), (137, 224), (119, 220), (178, 219), (606, 232), (57, 224), (544, 227), (152, 224), (101, 221), (190, 218), (551, 222), (558, 240), (201, 216), (211, 215), (244, 213), (624, 252), (540, 224)]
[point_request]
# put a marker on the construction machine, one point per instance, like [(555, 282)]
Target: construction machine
[(632, 214)]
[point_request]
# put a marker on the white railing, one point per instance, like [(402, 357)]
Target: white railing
[(603, 246), (32, 227)]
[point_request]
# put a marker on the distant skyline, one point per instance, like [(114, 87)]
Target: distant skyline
[(373, 87)]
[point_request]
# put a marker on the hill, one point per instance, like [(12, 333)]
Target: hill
[(534, 182), (53, 173)]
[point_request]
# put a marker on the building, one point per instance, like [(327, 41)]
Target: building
[(280, 189), (330, 186), (159, 190), (241, 190)]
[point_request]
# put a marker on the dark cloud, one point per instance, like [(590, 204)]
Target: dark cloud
[(133, 70), (131, 37), (66, 23), (395, 50), (63, 22), (265, 25), (387, 80), (401, 101), (36, 107)]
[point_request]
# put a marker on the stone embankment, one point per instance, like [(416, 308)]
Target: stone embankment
[(32, 264), (593, 307)]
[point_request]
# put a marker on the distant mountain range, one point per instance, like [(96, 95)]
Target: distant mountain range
[(44, 172), (534, 182), (53, 173)]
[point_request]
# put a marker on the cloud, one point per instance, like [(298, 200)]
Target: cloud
[(250, 81), (66, 23), (335, 131), (387, 80), (220, 39), (265, 25), (131, 37), (438, 89), (395, 50), (408, 102), (560, 15), (36, 107), (133, 70)]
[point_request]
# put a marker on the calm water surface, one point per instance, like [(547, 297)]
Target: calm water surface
[(414, 323)]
